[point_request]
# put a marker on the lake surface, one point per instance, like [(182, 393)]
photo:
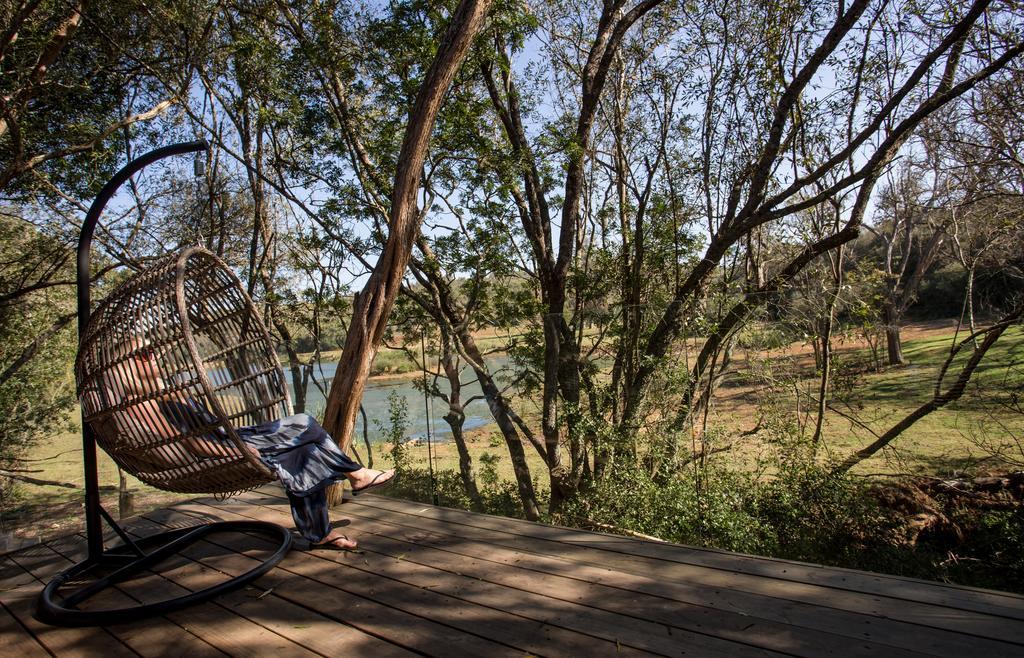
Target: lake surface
[(375, 402)]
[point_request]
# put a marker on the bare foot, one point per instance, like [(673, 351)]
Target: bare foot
[(365, 479)]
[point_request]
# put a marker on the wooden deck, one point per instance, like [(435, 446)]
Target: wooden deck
[(448, 583)]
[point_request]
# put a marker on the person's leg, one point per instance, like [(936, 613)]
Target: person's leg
[(362, 478), (313, 521), (310, 515)]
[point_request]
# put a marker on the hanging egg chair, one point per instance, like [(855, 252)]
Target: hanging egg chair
[(169, 364)]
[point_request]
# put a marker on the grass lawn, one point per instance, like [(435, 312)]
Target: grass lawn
[(967, 434), (47, 511)]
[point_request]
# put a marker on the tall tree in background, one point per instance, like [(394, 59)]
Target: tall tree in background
[(771, 175), (911, 236)]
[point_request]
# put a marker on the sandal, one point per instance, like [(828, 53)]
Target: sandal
[(376, 482), (332, 542)]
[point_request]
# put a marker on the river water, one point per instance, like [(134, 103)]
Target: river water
[(375, 402)]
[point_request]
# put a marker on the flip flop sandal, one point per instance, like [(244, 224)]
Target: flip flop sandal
[(303, 544), (374, 484)]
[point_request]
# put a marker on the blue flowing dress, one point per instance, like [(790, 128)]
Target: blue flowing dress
[(297, 448)]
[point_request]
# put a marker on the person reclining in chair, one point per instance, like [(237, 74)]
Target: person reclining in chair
[(302, 454)]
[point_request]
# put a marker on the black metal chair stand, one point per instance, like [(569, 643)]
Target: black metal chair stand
[(122, 563), (59, 602)]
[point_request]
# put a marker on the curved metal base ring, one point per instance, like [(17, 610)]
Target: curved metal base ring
[(123, 565)]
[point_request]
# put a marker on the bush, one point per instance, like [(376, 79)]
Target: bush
[(715, 515), (803, 513), (815, 516), (501, 498)]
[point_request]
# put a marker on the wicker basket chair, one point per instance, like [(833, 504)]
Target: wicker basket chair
[(169, 365), (188, 318)]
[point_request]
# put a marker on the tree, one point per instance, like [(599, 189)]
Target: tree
[(755, 190), (940, 398), (911, 236), (36, 342), (373, 303), (553, 257)]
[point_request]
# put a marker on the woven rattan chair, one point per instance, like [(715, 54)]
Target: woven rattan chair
[(191, 320), (183, 330)]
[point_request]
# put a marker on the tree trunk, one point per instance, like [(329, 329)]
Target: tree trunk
[(826, 373), (498, 408), (969, 301), (125, 497), (451, 320), (372, 306), (455, 418), (893, 343), (826, 344), (295, 368)]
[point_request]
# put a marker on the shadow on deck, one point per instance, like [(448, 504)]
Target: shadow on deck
[(436, 581)]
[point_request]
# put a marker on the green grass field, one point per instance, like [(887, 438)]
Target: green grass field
[(979, 432)]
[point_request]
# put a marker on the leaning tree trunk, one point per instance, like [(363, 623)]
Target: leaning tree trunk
[(372, 306), (940, 398), (505, 422)]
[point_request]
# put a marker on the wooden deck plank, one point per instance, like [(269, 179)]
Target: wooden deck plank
[(858, 627), (353, 607), (258, 603), (351, 572), (854, 625), (980, 600), (208, 629), (433, 581), (15, 638), (12, 575), (43, 562), (20, 603), (149, 637), (400, 563), (949, 617), (582, 584), (667, 601)]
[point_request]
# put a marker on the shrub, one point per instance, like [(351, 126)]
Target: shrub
[(501, 498), (802, 513)]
